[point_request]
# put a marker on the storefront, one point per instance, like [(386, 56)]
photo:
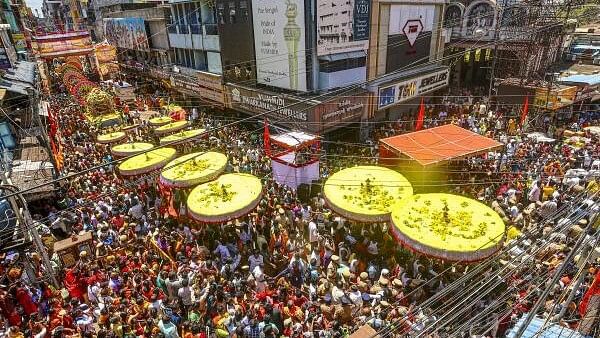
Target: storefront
[(205, 88), (397, 96), (315, 116)]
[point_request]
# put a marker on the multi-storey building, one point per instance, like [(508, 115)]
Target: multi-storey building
[(525, 36)]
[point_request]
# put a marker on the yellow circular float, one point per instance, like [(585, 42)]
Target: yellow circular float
[(192, 169), (128, 149), (160, 121), (182, 136), (366, 193), (111, 137), (228, 197), (171, 127), (448, 227), (146, 162)]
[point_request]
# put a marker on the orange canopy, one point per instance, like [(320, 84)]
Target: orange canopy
[(437, 145)]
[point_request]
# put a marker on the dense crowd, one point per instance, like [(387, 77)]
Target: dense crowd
[(291, 268)]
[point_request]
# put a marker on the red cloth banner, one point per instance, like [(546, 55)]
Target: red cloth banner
[(267, 139), (420, 117), (592, 291)]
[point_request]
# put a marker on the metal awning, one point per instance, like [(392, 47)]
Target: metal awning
[(19, 78), (343, 56)]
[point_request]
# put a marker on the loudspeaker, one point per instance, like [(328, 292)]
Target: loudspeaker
[(303, 192), (315, 188)]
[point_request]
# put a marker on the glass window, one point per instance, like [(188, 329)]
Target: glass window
[(6, 137), (232, 12), (244, 15), (477, 55), (221, 13)]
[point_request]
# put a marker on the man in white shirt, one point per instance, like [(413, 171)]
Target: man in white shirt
[(255, 260), (136, 211), (313, 234)]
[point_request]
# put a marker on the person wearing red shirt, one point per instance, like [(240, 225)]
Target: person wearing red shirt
[(24, 299)]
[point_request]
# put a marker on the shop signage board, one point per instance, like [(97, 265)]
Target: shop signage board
[(301, 114), (411, 88), (342, 109), (279, 43)]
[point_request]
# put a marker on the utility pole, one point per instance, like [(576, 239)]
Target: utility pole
[(495, 60), (34, 104)]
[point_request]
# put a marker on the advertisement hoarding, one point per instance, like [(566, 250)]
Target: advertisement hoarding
[(408, 89), (342, 26), (129, 33), (20, 42), (410, 33), (279, 43)]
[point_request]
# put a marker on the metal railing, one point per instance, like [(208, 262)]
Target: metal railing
[(199, 29)]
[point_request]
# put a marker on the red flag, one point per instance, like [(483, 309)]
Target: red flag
[(420, 117), (267, 139), (593, 290), (525, 110)]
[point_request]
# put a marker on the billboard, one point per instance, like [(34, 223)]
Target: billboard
[(279, 43), (129, 33), (410, 32), (20, 42), (409, 89), (342, 26)]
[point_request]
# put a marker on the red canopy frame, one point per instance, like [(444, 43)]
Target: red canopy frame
[(436, 146)]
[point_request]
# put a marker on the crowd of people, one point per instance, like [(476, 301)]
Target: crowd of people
[(291, 268)]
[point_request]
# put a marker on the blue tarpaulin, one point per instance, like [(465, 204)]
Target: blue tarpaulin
[(589, 79), (549, 331)]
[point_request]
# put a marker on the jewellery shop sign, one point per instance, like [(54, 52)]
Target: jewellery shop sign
[(309, 115), (411, 88)]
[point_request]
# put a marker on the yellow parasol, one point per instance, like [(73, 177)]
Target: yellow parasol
[(228, 197), (128, 149), (194, 168), (447, 226), (366, 193), (171, 127), (146, 162), (182, 136), (111, 137), (160, 121)]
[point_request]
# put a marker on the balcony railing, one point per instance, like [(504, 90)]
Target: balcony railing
[(200, 29), (196, 29)]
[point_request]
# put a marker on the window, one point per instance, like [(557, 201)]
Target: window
[(244, 15), (477, 55), (6, 138), (232, 13), (221, 13)]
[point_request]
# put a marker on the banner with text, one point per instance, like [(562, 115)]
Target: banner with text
[(279, 43), (342, 26), (409, 89)]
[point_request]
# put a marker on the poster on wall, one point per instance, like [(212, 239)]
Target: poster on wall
[(279, 43), (129, 33), (20, 43), (342, 26)]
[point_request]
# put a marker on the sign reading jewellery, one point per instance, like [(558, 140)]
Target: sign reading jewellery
[(260, 102), (318, 116), (408, 89)]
